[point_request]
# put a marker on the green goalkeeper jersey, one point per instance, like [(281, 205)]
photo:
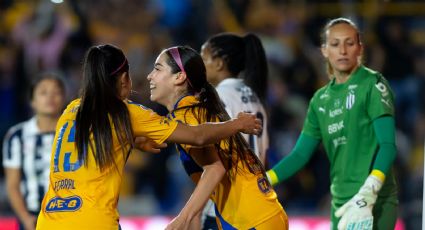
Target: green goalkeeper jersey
[(341, 116)]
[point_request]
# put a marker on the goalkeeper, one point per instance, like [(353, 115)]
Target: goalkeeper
[(353, 116)]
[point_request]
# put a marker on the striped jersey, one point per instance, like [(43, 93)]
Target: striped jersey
[(238, 97), (27, 149), (241, 203), (84, 197)]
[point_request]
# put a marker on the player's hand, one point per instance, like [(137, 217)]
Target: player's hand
[(356, 214), (178, 223), (148, 145), (249, 123)]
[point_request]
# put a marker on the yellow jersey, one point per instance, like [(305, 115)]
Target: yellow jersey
[(81, 197), (241, 203)]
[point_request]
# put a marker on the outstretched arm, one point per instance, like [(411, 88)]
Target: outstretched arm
[(209, 133), (296, 160)]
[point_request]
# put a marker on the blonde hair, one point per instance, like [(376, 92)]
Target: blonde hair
[(323, 38)]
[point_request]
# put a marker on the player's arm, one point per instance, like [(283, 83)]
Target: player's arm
[(12, 170), (358, 210), (13, 180), (296, 160), (384, 128), (213, 172), (209, 133), (146, 144)]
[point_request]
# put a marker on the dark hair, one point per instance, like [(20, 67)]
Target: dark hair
[(329, 25), (243, 54), (101, 105), (211, 109), (47, 76)]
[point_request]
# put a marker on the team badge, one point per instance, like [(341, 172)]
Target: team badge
[(263, 185), (349, 102)]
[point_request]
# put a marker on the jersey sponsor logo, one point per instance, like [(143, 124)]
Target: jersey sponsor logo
[(64, 184), (337, 103), (349, 102), (335, 127), (382, 88), (67, 204), (247, 95), (75, 109), (263, 185), (321, 109), (387, 102), (166, 120), (323, 96), (352, 87), (335, 112), (339, 141)]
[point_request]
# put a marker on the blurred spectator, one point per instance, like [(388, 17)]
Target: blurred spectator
[(27, 149)]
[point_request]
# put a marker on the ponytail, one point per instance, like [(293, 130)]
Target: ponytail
[(101, 105), (256, 69)]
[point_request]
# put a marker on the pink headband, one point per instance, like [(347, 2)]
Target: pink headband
[(120, 67), (174, 51)]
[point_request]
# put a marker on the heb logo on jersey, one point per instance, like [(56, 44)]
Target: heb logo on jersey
[(67, 204)]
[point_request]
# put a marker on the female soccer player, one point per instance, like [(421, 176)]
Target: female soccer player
[(228, 171), (237, 67), (94, 137), (353, 116), (27, 148)]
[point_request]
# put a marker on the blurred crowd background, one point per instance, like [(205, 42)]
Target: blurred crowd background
[(41, 35)]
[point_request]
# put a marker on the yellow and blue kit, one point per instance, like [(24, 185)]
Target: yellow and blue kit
[(81, 197), (244, 202)]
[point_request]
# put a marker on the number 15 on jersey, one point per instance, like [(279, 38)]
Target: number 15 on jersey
[(66, 132)]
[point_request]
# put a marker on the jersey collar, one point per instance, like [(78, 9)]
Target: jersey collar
[(353, 79), (230, 81)]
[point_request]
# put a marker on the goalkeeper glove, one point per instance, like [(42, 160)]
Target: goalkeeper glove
[(356, 214)]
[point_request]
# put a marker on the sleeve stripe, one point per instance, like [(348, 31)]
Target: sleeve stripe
[(12, 148), (377, 173)]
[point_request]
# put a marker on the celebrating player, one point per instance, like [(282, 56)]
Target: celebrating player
[(353, 116), (94, 137), (228, 171)]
